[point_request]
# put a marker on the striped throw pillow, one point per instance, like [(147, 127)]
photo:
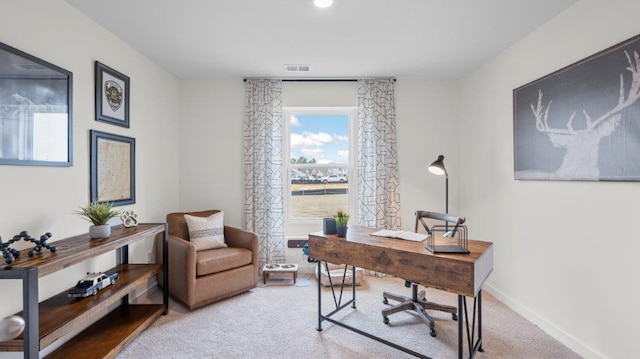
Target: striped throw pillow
[(206, 232)]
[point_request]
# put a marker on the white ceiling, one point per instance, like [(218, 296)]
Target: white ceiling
[(419, 39)]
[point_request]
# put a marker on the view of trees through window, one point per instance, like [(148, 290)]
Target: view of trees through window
[(319, 164)]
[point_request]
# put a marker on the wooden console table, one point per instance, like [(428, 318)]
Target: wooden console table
[(59, 315)]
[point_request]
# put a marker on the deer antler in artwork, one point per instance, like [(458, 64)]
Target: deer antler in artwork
[(614, 114)]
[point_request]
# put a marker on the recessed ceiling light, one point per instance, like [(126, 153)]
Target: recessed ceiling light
[(322, 3)]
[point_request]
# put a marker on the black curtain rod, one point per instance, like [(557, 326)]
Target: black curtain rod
[(318, 80)]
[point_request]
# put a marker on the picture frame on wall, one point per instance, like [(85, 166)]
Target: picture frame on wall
[(112, 95), (582, 122), (113, 168), (36, 111)]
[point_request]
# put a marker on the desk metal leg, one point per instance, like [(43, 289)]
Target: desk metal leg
[(337, 300), (475, 345), (352, 301), (319, 328), (353, 286), (480, 321), (461, 319)]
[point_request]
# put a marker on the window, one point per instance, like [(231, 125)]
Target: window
[(319, 162)]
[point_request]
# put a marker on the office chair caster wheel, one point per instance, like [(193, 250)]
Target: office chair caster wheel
[(433, 333), (385, 301), (385, 320), (454, 317)]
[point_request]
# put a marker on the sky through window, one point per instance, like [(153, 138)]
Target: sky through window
[(324, 138)]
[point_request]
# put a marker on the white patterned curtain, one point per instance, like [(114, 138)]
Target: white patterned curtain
[(378, 185), (263, 167)]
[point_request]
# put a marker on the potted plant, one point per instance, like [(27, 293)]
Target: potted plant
[(99, 215), (341, 218)]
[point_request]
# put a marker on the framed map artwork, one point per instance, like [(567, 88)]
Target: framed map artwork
[(112, 96), (113, 168)]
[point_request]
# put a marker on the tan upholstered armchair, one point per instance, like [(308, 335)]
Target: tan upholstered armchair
[(198, 278)]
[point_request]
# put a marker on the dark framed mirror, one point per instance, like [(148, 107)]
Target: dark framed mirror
[(35, 111)]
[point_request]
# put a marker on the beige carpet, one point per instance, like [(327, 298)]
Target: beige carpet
[(278, 320)]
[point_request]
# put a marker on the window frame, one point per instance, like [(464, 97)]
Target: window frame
[(351, 113)]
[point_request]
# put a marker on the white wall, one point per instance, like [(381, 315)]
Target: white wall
[(427, 114), (565, 252), (41, 199), (211, 148)]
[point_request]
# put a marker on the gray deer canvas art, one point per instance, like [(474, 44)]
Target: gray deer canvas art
[(582, 122)]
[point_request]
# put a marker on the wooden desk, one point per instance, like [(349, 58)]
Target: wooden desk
[(462, 274)]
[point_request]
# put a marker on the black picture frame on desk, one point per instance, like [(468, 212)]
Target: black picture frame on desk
[(112, 96), (113, 168)]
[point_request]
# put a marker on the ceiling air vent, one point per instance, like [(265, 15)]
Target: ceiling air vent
[(297, 68)]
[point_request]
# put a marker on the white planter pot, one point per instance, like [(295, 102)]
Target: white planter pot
[(100, 231)]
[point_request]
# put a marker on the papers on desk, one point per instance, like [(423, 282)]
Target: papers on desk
[(406, 235)]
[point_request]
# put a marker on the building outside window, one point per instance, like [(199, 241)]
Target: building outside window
[(319, 162)]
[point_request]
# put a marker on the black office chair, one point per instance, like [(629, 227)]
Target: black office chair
[(418, 302)]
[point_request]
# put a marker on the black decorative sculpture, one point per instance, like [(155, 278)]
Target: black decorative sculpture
[(11, 254), (42, 243)]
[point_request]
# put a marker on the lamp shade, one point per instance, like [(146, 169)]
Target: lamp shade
[(437, 167)]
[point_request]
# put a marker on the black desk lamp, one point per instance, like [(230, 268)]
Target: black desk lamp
[(437, 167)]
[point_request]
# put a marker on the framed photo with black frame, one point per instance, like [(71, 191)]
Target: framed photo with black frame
[(113, 168), (36, 127), (112, 96)]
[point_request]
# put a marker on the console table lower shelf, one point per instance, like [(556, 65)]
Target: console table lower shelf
[(108, 336)]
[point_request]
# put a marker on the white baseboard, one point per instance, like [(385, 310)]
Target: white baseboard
[(550, 328)]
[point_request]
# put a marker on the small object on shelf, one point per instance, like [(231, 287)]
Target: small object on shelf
[(99, 214), (11, 327), (9, 254), (92, 283), (129, 218), (42, 243)]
